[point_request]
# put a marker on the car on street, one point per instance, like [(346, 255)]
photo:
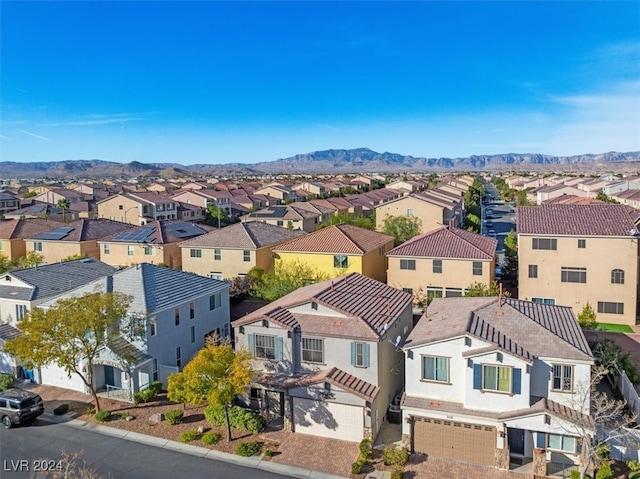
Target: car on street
[(492, 233), (498, 273), (488, 223), (19, 406)]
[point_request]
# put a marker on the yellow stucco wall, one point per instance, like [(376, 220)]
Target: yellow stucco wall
[(430, 215), (54, 251)]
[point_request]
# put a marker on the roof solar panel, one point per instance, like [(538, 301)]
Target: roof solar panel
[(55, 234), (185, 230), (136, 236)]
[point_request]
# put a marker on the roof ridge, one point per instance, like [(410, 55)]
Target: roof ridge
[(466, 240), (348, 236), (249, 234)]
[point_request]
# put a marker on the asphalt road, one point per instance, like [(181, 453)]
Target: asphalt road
[(502, 221), (23, 449)]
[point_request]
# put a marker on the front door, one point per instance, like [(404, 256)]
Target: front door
[(109, 376), (516, 441)]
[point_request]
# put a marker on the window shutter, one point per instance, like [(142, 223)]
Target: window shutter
[(279, 347), (517, 381), (353, 354), (477, 376), (540, 440), (252, 348), (366, 355)]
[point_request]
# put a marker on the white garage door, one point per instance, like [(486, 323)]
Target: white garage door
[(56, 376), (339, 421)]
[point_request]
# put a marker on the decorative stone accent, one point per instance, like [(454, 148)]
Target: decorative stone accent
[(286, 424), (202, 430), (156, 418), (539, 462), (502, 458), (406, 441), (367, 433), (129, 418)]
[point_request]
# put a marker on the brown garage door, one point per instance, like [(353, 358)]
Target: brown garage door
[(455, 440)]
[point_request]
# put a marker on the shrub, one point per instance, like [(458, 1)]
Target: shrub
[(123, 415), (247, 449), (189, 436), (395, 456), (103, 416), (211, 437), (603, 451), (396, 474), (174, 416), (148, 393), (574, 474), (90, 411), (62, 409), (6, 381), (365, 449), (356, 467), (268, 453), (604, 471), (239, 418), (634, 466)]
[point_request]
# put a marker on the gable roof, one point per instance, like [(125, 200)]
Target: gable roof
[(249, 235), (25, 228), (159, 232), (84, 230), (521, 328), (448, 242), (577, 219), (342, 238)]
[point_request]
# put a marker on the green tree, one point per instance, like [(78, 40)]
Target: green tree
[(63, 203), (216, 216), (483, 289), (284, 278), (587, 317), (348, 218), (5, 264), (472, 222), (217, 374), (70, 334), (74, 257), (607, 199), (30, 194), (402, 228), (511, 244), (30, 260)]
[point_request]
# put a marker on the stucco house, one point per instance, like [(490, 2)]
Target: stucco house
[(327, 356), (497, 381), (433, 211), (138, 207), (14, 231)]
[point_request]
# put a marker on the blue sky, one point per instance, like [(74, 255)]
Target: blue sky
[(219, 82)]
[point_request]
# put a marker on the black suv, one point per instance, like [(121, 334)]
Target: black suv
[(18, 406)]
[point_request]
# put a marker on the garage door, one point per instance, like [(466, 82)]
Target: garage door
[(339, 421), (455, 440), (56, 376)]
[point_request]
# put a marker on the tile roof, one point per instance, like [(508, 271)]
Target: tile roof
[(521, 328), (8, 332), (250, 235), (342, 238), (571, 199), (580, 220), (163, 232), (448, 242), (358, 297), (90, 229), (26, 228)]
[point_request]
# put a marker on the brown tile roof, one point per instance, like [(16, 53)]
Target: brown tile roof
[(578, 220), (571, 200), (448, 242), (164, 232), (342, 238), (87, 230), (521, 328), (26, 228), (250, 235)]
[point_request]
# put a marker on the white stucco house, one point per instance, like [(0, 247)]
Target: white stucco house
[(327, 356), (170, 315), (497, 381)]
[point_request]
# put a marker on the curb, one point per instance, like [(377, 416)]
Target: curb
[(253, 462)]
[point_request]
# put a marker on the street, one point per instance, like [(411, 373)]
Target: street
[(39, 446), (502, 219)]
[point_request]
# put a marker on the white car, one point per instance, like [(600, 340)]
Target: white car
[(492, 233)]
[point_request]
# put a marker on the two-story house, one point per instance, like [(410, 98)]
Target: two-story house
[(138, 208), (327, 355), (205, 197), (495, 381), (432, 210), (8, 203), (571, 254), (442, 262), (14, 231), (170, 315), (288, 216)]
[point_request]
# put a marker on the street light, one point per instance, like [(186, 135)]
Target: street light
[(127, 210)]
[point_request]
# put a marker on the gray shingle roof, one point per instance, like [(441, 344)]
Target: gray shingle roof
[(250, 235), (448, 242), (8, 332)]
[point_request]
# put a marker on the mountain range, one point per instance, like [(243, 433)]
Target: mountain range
[(359, 160)]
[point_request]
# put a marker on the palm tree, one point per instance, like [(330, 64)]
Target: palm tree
[(64, 204)]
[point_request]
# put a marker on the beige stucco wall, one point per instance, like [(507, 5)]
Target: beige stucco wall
[(54, 251), (600, 256), (432, 216), (230, 265), (168, 254), (13, 249), (130, 212)]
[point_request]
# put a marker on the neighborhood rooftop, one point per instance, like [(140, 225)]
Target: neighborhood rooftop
[(339, 239), (448, 242), (244, 236)]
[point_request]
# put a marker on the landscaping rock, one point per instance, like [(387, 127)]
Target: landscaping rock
[(202, 430), (129, 418), (156, 418)]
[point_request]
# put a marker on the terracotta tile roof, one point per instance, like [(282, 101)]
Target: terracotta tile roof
[(448, 242), (25, 228), (342, 238), (250, 235), (579, 220), (571, 200), (357, 386), (88, 230), (163, 232)]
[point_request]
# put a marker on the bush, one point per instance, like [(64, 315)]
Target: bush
[(189, 436), (247, 449), (211, 437), (634, 466), (148, 393), (356, 467), (90, 411), (365, 449), (574, 474), (239, 418), (62, 409), (6, 381), (103, 416), (603, 451), (395, 456), (396, 474), (268, 453), (604, 471), (174, 416)]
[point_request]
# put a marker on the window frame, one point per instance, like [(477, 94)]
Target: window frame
[(604, 305), (217, 254), (265, 347), (176, 316), (582, 243), (497, 368), (37, 246), (106, 248), (547, 244), (562, 437), (130, 250), (573, 274), (533, 271), (548, 301), (475, 270), (360, 355), (617, 276), (179, 357), (153, 327), (215, 301), (406, 264), (436, 266), (246, 255), (312, 351), (563, 386), (340, 261), (195, 253), (423, 367)]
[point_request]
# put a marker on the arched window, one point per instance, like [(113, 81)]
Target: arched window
[(617, 276)]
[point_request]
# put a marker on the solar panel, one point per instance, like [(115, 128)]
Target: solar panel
[(136, 236), (185, 230), (56, 234)]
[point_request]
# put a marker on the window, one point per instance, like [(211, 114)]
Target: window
[(573, 275), (120, 207), (153, 327), (453, 292), (195, 253), (192, 310), (215, 301), (410, 212), (434, 291), (312, 350), (176, 316), (105, 249), (21, 311), (246, 255), (435, 369), (533, 271), (496, 378), (437, 266), (408, 264), (610, 308), (561, 443), (617, 276), (545, 243), (265, 346), (477, 268), (217, 254), (217, 276), (193, 334), (280, 223), (179, 357), (582, 243), (360, 355), (37, 246), (408, 290), (562, 378), (340, 261), (549, 301), (380, 250), (149, 250), (154, 372), (256, 393), (130, 250)]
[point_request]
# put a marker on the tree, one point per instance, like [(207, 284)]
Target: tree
[(402, 228), (216, 215), (5, 264), (607, 199), (217, 374), (284, 278), (64, 204), (511, 255), (483, 289), (350, 219), (587, 317), (70, 334), (472, 222), (30, 260)]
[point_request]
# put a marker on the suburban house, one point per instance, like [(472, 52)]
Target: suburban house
[(205, 197), (8, 203), (497, 381), (339, 249), (289, 216), (156, 242), (442, 262), (234, 250), (432, 211), (138, 207), (277, 192), (170, 315), (574, 254), (327, 356), (13, 233), (8, 363)]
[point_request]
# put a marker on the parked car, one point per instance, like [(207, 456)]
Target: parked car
[(492, 233), (489, 223), (498, 273), (18, 406)]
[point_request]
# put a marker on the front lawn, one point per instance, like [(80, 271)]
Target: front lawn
[(615, 328)]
